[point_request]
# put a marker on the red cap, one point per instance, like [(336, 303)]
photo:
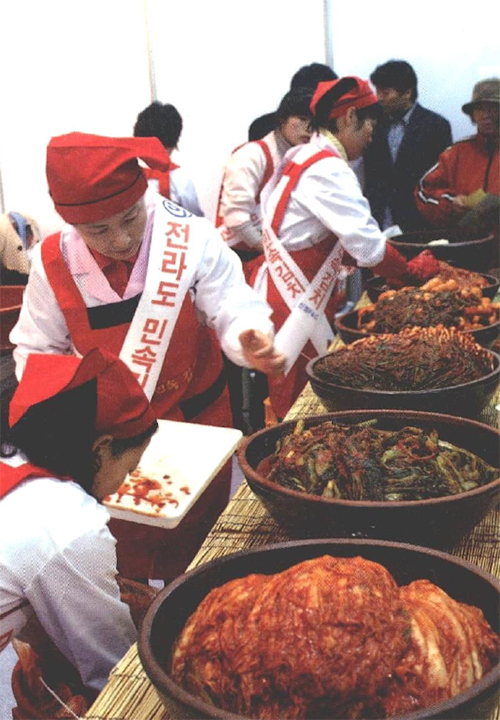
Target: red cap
[(359, 96), (123, 409), (92, 177)]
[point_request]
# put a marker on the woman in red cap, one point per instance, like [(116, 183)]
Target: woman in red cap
[(79, 426), (139, 275), (314, 213)]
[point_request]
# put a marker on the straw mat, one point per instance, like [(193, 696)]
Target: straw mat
[(246, 524)]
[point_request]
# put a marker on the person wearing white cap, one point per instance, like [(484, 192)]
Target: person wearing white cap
[(466, 177)]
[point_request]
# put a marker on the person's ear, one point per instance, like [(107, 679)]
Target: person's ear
[(102, 442), (351, 117), (100, 447)]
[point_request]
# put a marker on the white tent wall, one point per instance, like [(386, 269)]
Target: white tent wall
[(451, 45), (223, 63), (66, 65), (84, 65)]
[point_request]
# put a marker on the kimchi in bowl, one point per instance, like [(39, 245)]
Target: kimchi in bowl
[(170, 610), (437, 522), (347, 326), (466, 398)]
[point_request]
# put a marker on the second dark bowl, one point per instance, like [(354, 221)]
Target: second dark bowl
[(465, 249), (375, 286), (467, 399)]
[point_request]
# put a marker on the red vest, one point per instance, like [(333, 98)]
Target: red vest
[(284, 391), (191, 381), (11, 477)]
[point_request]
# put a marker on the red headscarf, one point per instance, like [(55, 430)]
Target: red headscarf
[(359, 96), (93, 177), (123, 409)]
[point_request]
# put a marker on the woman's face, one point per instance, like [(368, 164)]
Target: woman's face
[(113, 469), (296, 130), (355, 135), (119, 236)]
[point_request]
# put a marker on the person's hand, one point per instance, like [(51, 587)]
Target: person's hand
[(259, 351), (460, 204)]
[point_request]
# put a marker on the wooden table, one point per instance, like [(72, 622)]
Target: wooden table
[(244, 524)]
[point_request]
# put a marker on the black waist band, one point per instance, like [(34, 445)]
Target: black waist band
[(192, 407), (113, 314), (246, 255)]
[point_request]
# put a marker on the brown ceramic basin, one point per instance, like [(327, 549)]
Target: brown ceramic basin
[(375, 286), (347, 327), (171, 608), (467, 399), (438, 522), (465, 249)]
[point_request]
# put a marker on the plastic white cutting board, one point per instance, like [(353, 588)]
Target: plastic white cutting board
[(177, 466)]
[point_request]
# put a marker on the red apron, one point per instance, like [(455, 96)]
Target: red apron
[(191, 387), (284, 391), (11, 477)]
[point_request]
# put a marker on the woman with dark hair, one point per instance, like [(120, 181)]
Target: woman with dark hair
[(165, 122), (315, 213), (142, 277), (78, 426), (248, 170)]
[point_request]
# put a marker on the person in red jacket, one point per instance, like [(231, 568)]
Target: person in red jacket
[(462, 189)]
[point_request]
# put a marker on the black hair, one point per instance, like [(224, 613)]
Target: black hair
[(261, 126), (161, 121), (321, 118), (121, 445), (57, 434), (310, 75), (397, 74), (295, 103)]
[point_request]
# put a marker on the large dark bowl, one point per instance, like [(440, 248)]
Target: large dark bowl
[(438, 522), (375, 286), (465, 249), (467, 399), (347, 327), (172, 607)]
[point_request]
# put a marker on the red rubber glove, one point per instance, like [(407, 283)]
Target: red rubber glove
[(393, 265), (422, 267)]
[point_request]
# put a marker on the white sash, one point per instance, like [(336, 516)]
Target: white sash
[(306, 300), (174, 255)]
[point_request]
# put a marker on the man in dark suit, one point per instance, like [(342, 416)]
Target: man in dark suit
[(406, 143)]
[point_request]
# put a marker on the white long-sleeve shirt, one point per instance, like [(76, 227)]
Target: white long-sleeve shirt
[(220, 294), (57, 553), (243, 180), (327, 199)]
